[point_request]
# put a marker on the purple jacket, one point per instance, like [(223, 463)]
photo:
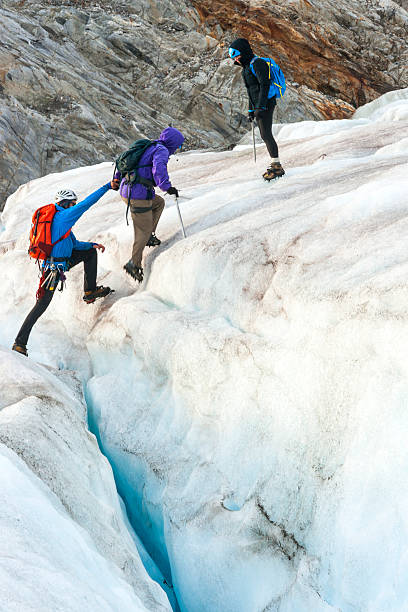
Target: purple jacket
[(157, 156)]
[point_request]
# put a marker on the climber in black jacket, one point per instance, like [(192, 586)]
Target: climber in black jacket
[(261, 106)]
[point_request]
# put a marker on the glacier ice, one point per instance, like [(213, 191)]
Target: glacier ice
[(64, 542), (251, 396)]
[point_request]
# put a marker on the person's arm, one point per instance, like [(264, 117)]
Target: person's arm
[(80, 245), (250, 103), (69, 216), (159, 168), (262, 74)]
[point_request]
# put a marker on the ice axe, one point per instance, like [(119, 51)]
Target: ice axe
[(253, 139), (181, 220)]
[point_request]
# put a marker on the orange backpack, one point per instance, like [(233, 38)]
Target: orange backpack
[(40, 233)]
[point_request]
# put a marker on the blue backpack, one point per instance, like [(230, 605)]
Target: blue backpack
[(278, 85)]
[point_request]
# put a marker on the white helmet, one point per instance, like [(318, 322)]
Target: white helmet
[(65, 194)]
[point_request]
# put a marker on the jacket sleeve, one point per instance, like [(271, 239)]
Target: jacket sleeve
[(159, 168), (262, 74), (70, 216), (80, 245), (250, 103)]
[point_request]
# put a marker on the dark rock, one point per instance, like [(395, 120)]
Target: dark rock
[(79, 81)]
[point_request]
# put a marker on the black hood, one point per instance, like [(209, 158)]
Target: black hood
[(242, 45)]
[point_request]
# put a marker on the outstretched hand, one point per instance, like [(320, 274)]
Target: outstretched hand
[(99, 246), (115, 183)]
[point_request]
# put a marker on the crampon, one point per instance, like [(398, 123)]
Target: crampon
[(134, 271), (274, 171), (99, 292), (153, 241)]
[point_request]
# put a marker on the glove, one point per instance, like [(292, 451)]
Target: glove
[(173, 191), (115, 183), (258, 113), (251, 116)]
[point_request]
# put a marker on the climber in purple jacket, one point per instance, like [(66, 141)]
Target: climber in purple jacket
[(146, 207)]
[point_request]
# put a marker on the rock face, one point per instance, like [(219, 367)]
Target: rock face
[(350, 49), (79, 80)]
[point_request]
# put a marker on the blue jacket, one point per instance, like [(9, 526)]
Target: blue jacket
[(65, 218)]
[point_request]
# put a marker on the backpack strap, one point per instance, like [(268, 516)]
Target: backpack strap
[(141, 209), (252, 65), (37, 218), (265, 60), (52, 245), (67, 233), (139, 180)]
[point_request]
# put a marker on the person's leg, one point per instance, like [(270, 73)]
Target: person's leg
[(158, 206), (265, 130), (39, 308), (90, 259), (142, 227), (275, 169)]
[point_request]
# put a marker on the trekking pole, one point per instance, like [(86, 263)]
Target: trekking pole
[(253, 139), (181, 220)]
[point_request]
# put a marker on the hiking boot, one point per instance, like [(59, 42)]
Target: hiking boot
[(134, 271), (274, 171), (99, 292), (20, 348), (153, 241)]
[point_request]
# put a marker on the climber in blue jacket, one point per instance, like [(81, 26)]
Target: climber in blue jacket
[(65, 254)]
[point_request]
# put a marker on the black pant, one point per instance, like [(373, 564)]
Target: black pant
[(265, 127), (90, 260)]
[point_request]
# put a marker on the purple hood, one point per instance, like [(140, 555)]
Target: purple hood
[(153, 166), (172, 139)]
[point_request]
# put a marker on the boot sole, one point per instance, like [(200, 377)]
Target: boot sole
[(25, 353), (273, 178), (98, 297)]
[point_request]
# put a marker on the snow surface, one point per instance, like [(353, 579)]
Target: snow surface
[(251, 396)]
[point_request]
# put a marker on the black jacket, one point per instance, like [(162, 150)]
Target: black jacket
[(257, 86)]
